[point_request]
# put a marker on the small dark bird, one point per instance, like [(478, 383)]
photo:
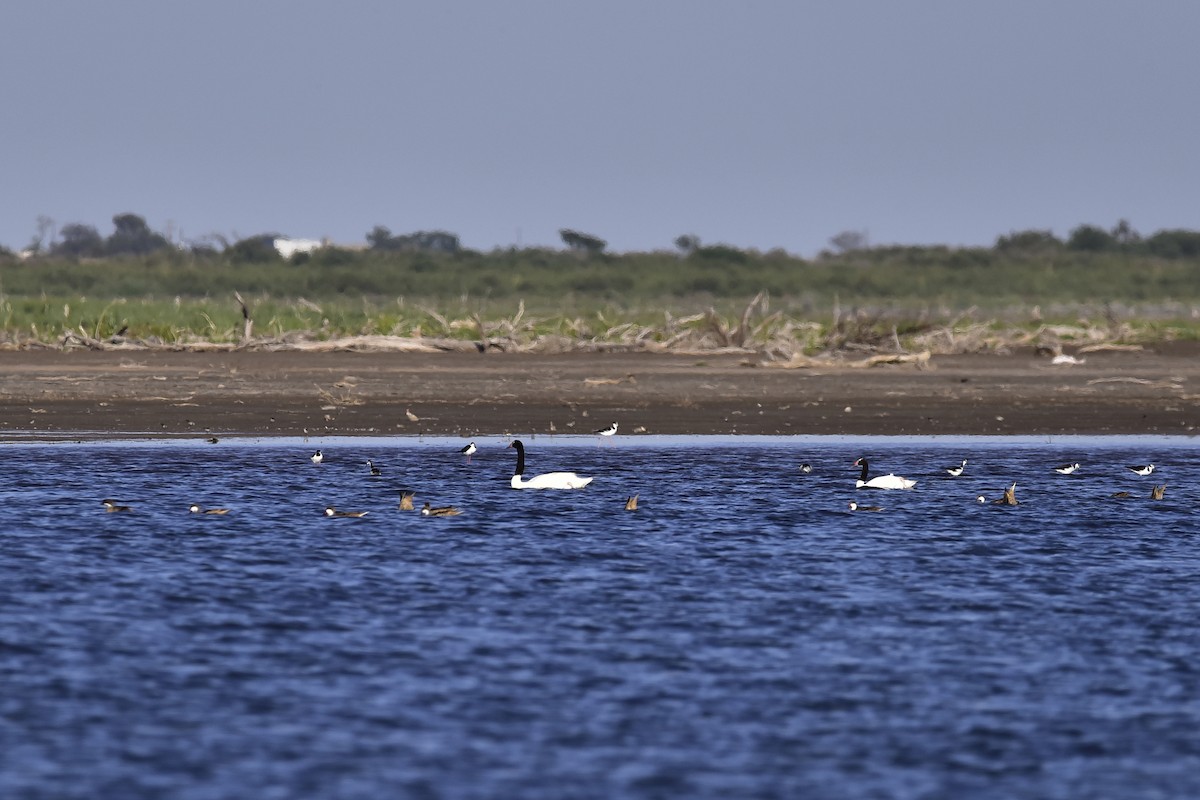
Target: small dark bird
[(330, 511), (856, 507), (443, 511), (111, 506)]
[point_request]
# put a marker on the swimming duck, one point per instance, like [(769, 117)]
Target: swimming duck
[(330, 511), (442, 511), (195, 509), (375, 473), (406, 500), (631, 503), (111, 506), (1009, 498), (316, 457), (1158, 492), (856, 507)]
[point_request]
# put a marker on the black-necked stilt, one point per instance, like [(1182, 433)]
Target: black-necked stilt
[(956, 471), (330, 511), (469, 450), (443, 511), (1067, 469), (611, 430), (195, 509), (112, 506), (1145, 470), (375, 473), (631, 503), (212, 440), (880, 481), (316, 457), (856, 507)]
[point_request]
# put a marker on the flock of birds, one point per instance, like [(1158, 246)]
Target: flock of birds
[(546, 480), (571, 480), (1008, 498)]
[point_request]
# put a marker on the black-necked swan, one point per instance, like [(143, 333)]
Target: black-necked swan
[(1146, 470), (1067, 469), (442, 511), (888, 481), (856, 507), (956, 471), (548, 480)]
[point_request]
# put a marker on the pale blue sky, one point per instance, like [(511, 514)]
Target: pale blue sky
[(757, 124)]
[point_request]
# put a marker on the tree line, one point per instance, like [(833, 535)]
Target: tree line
[(132, 236)]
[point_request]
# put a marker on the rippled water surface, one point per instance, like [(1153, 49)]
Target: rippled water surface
[(742, 634)]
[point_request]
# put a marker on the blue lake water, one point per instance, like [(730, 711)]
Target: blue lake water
[(742, 634)]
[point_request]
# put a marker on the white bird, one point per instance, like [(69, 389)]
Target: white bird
[(888, 481), (548, 480), (469, 451), (1146, 470), (956, 471), (411, 416), (1067, 469), (316, 457)]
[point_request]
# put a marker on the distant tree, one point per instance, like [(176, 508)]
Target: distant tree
[(1091, 239), (721, 252), (1177, 243), (132, 236), (1030, 240), (1124, 233), (582, 242), (43, 240), (688, 243), (258, 249), (79, 241), (380, 238), (849, 241)]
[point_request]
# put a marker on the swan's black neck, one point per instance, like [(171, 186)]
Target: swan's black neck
[(863, 477), (520, 446)]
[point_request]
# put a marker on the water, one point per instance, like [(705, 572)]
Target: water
[(741, 635)]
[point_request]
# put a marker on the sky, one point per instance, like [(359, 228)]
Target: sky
[(757, 124)]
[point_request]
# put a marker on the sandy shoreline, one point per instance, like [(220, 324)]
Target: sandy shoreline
[(46, 394)]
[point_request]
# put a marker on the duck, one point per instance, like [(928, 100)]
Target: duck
[(1120, 495), (1067, 469), (1158, 492), (888, 481), (1143, 470), (442, 511), (469, 450), (406, 500), (1009, 498), (856, 507), (980, 498), (805, 469), (631, 502), (195, 509), (548, 480), (956, 471), (330, 511), (375, 472), (316, 457), (112, 506)]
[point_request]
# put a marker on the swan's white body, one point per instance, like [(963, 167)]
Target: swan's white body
[(547, 480), (880, 481)]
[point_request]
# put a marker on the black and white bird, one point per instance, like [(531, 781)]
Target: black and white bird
[(805, 469), (442, 511), (196, 509), (1067, 469), (856, 507), (954, 472), (469, 450), (330, 511), (611, 430), (375, 472), (112, 506), (888, 481), (316, 457), (1145, 470)]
